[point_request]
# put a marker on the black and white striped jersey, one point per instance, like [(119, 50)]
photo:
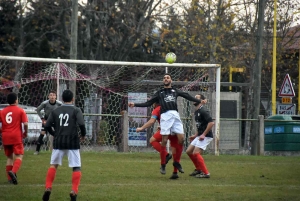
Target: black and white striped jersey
[(167, 98), (65, 120)]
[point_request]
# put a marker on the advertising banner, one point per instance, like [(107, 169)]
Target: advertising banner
[(137, 138)]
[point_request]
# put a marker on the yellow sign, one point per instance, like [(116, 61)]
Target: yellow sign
[(240, 70), (286, 100)]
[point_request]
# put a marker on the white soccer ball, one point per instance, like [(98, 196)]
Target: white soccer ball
[(170, 57)]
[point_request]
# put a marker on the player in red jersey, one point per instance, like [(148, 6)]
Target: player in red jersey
[(156, 139), (12, 117)]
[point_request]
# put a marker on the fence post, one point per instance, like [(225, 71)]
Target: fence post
[(261, 147), (124, 143)]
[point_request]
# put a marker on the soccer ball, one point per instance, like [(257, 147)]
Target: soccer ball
[(170, 57)]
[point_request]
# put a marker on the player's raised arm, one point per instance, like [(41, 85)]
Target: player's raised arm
[(150, 102), (146, 125), (188, 96)]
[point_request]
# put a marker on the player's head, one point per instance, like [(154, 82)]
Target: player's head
[(52, 96), (67, 96), (167, 80), (156, 104), (200, 97), (12, 98)]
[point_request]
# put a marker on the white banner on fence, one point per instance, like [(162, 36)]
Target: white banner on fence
[(137, 138)]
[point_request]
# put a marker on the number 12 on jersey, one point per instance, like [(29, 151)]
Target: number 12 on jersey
[(63, 119)]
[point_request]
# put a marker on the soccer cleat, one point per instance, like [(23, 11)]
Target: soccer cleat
[(13, 177), (73, 195), (202, 175), (36, 153), (163, 169), (168, 157), (178, 166), (195, 172), (46, 195), (174, 176)]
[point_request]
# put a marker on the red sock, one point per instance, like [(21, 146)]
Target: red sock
[(194, 159), (175, 169), (76, 180), (156, 145), (8, 168), (50, 177), (179, 148), (163, 153), (201, 165), (17, 165)]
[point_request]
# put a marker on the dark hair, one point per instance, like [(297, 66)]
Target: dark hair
[(12, 98), (168, 74), (67, 95), (53, 92), (201, 96)]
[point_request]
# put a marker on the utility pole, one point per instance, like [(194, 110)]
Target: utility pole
[(274, 64), (257, 78), (73, 46)]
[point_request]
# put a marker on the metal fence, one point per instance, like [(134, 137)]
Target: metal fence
[(110, 133)]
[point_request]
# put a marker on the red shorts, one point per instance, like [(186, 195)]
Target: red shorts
[(17, 149), (173, 138)]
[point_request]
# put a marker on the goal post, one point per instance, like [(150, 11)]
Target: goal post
[(104, 87)]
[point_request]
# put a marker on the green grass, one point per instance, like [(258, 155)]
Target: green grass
[(136, 177)]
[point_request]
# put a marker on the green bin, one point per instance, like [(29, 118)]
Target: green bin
[(282, 136)]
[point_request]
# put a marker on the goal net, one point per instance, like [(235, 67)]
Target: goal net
[(102, 91)]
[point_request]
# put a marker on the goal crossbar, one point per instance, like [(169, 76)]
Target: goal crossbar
[(125, 63)]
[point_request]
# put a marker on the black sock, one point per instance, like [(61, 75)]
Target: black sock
[(38, 148), (39, 142)]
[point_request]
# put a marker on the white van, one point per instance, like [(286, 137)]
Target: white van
[(34, 122)]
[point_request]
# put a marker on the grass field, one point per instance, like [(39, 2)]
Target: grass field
[(136, 177)]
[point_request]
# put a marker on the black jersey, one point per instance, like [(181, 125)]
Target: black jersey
[(202, 118), (167, 98), (65, 120)]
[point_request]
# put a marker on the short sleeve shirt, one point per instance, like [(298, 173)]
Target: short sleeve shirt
[(202, 118), (156, 114), (12, 118)]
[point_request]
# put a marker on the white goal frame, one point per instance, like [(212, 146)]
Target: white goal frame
[(163, 65)]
